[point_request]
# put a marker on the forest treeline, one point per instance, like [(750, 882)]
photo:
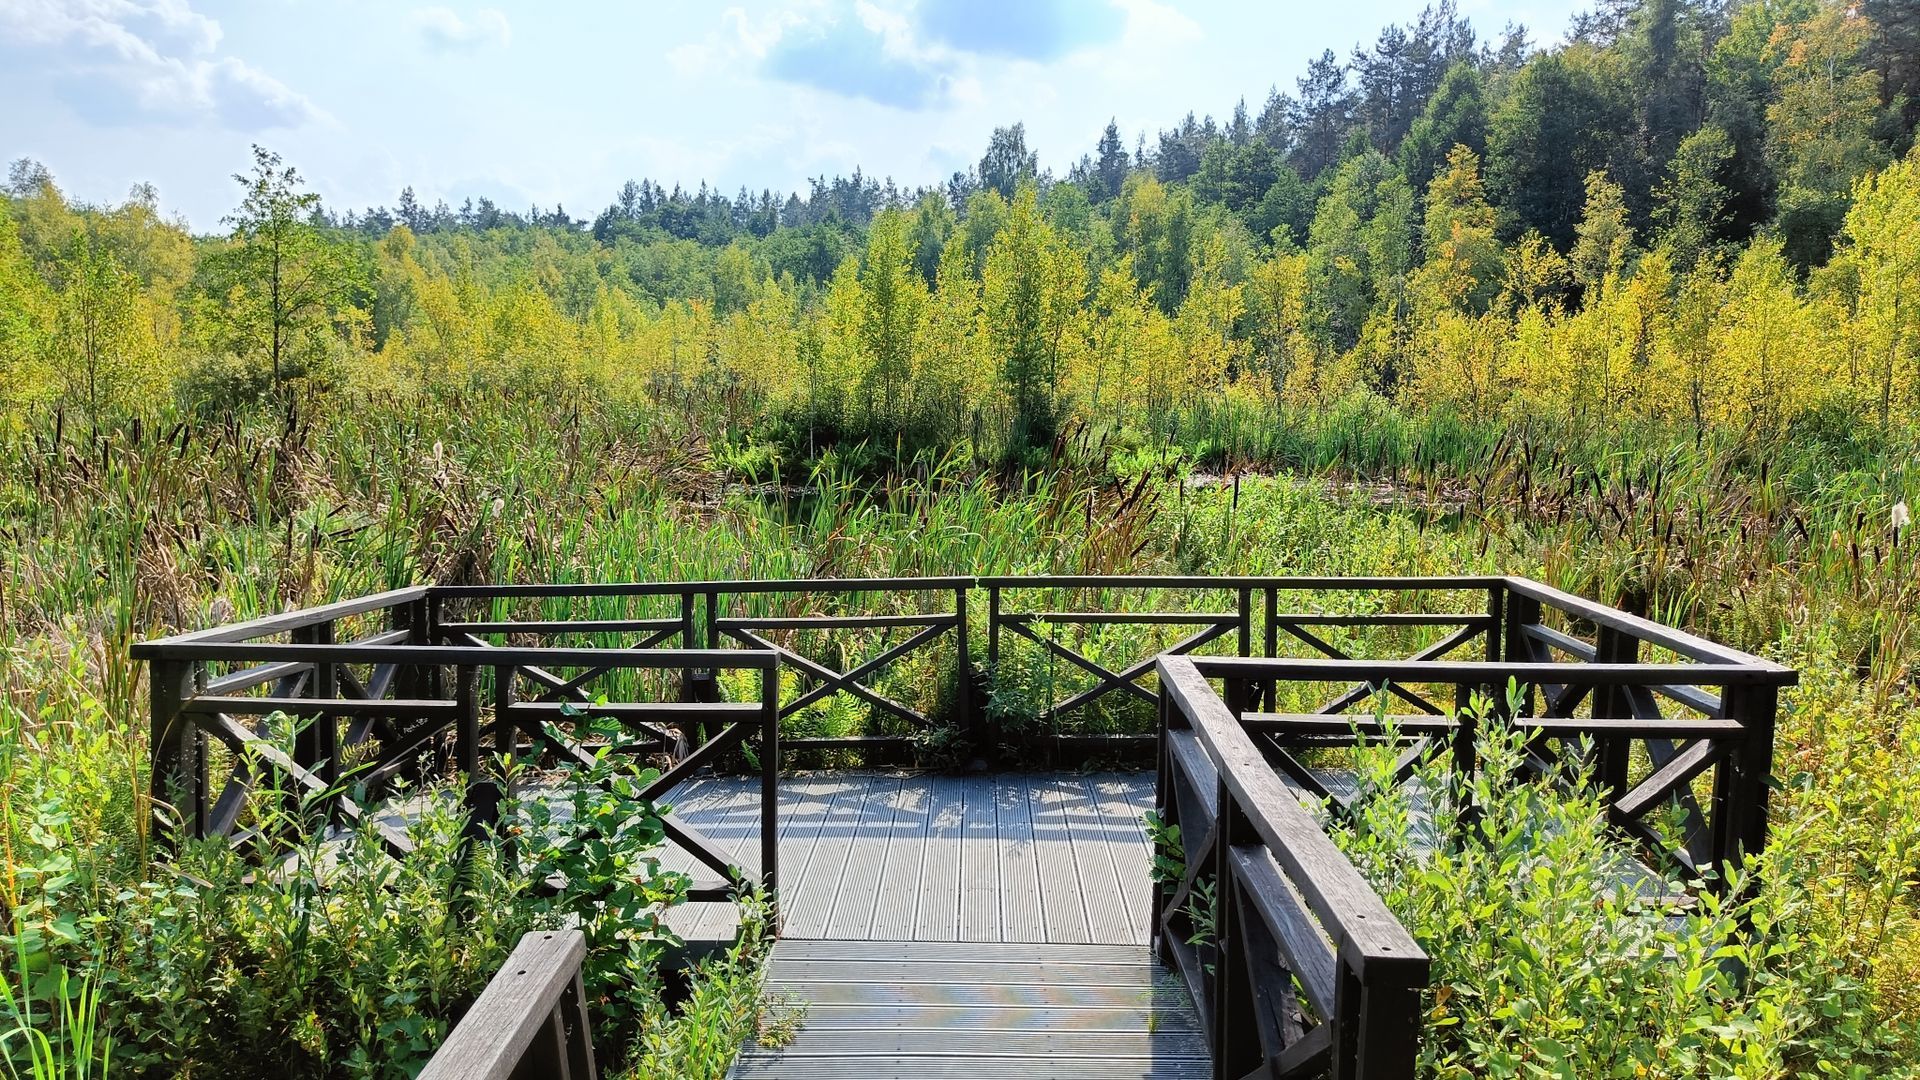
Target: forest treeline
[(1692, 212)]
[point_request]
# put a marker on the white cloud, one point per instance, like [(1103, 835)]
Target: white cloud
[(445, 29), (1157, 24), (122, 26), (743, 41), (131, 61)]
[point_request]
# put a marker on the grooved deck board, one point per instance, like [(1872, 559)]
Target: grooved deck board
[(938, 917), (859, 893), (1063, 906), (1124, 822), (1025, 857), (1093, 838), (979, 863), (809, 895), (1021, 917), (897, 907), (882, 1009)]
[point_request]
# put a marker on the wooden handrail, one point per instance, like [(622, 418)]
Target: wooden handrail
[(268, 625), (1356, 918), (678, 588), (1653, 633), (453, 655), (1287, 906), (1302, 583), (530, 1021), (1494, 673)]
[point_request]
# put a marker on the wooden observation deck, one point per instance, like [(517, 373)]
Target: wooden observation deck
[(985, 923)]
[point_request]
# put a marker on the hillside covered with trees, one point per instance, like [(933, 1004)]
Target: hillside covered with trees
[(1694, 213)]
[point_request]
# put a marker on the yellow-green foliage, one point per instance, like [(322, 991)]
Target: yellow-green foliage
[(1013, 322)]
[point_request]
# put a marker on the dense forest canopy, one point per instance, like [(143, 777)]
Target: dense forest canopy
[(1697, 211)]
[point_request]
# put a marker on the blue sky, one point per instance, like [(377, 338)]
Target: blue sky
[(561, 101)]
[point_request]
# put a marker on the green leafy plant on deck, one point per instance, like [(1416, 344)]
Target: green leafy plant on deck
[(1169, 864), (724, 1008), (342, 963), (595, 837), (339, 962)]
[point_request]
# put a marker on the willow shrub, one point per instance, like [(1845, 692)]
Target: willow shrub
[(1550, 960), (328, 958)]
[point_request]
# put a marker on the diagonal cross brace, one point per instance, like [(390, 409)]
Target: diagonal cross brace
[(864, 670), (1432, 652), (558, 688), (834, 679), (243, 740), (1401, 692), (690, 839), (1125, 680)]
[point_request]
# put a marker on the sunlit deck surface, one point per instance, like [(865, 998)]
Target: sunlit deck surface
[(895, 856), (955, 926), (967, 1009)]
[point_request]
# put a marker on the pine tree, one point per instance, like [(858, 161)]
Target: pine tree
[(1110, 168)]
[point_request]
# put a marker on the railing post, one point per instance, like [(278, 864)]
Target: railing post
[(1272, 688), (1237, 696), (311, 746), (417, 619), (435, 676), (687, 641), (993, 633), (1246, 621), (1166, 814), (1740, 789), (963, 674), (175, 758), (1376, 1033), (466, 748), (770, 792), (572, 1028), (1496, 635), (1466, 753), (1237, 1050), (991, 726), (316, 742), (1516, 646), (1611, 702), (505, 745)]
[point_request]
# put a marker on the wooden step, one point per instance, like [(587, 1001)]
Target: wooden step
[(872, 1009)]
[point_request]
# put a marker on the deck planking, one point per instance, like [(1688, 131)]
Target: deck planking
[(872, 1010), (895, 856)]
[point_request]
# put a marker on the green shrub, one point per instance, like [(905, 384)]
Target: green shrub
[(1552, 956)]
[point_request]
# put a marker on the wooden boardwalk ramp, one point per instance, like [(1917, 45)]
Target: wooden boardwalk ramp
[(863, 1010), (950, 926)]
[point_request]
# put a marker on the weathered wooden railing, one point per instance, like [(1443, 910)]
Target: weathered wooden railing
[(412, 695), (1267, 901), (1252, 605), (765, 615), (1265, 898), (531, 1020), (411, 674)]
